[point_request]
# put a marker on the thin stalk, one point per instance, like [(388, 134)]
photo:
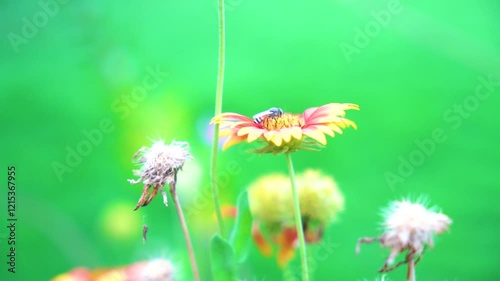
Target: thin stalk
[(298, 220), (185, 231), (411, 270), (218, 110)]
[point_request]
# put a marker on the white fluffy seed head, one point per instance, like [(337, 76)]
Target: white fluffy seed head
[(161, 161), (412, 225)]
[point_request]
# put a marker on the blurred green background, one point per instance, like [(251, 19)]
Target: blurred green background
[(412, 66)]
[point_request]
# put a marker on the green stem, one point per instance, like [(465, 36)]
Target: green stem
[(218, 110), (298, 220)]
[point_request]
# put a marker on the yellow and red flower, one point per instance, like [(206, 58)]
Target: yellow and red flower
[(271, 204), (286, 132)]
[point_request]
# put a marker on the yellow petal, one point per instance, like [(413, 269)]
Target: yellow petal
[(277, 139), (226, 132), (296, 132), (286, 134), (335, 128), (317, 135), (269, 135), (323, 128), (246, 130), (255, 134)]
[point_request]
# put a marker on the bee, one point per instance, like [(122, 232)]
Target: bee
[(271, 112)]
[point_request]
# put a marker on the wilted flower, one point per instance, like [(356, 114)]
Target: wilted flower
[(286, 132), (159, 166), (408, 226), (271, 204)]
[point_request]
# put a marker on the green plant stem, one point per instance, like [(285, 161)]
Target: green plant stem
[(185, 231), (298, 220), (218, 110)]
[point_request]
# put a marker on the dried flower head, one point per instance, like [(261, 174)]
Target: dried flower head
[(286, 132), (159, 166), (271, 204), (408, 227)]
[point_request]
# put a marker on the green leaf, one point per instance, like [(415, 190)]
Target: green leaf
[(224, 266), (242, 230)]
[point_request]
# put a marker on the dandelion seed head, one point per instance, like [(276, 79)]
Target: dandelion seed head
[(412, 225)]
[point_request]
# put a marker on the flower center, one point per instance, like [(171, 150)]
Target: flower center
[(277, 122)]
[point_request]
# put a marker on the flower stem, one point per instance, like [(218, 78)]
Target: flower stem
[(411, 270), (185, 231), (298, 220), (218, 110)]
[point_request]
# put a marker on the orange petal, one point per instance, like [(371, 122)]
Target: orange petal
[(314, 134), (232, 140), (260, 241), (286, 241)]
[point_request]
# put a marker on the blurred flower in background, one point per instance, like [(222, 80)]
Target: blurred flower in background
[(271, 204), (285, 132), (154, 270)]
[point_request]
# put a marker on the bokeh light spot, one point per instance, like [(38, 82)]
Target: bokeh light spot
[(118, 221)]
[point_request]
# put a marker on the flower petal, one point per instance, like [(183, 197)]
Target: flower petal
[(255, 134), (243, 131), (224, 132), (296, 132), (286, 134), (269, 135), (309, 112), (261, 242), (314, 134), (328, 110), (335, 128), (323, 128), (232, 140), (277, 139)]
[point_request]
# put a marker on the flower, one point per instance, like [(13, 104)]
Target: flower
[(408, 226), (154, 270), (160, 164), (271, 199), (271, 204), (286, 132)]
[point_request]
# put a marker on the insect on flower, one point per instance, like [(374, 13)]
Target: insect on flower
[(271, 112)]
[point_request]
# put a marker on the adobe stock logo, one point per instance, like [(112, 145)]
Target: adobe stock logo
[(372, 29), (31, 25), (454, 116)]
